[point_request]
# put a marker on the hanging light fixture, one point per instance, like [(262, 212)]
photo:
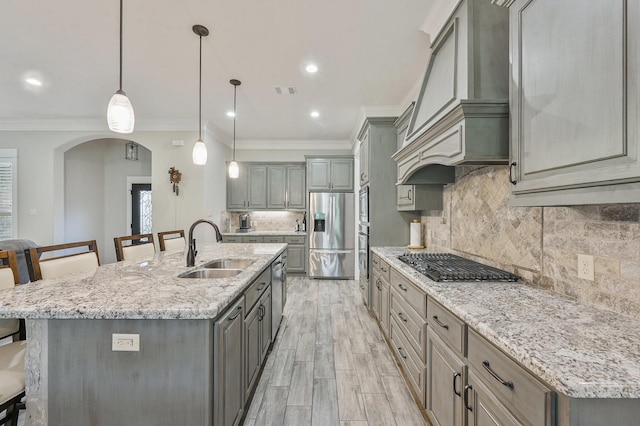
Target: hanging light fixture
[(120, 115), (131, 151), (234, 170), (200, 149)]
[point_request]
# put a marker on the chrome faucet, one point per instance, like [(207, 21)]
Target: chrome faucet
[(191, 254)]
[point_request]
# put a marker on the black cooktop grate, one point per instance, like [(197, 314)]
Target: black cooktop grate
[(449, 267)]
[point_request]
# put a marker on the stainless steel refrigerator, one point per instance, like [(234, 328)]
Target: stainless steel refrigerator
[(331, 235)]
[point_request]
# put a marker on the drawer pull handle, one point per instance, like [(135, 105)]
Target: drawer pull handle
[(455, 381), (261, 287), (238, 311), (441, 324), (402, 353), (402, 317), (487, 367), (402, 287), (467, 388), (511, 179), (383, 270)]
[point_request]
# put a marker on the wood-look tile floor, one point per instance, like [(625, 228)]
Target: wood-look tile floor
[(330, 364)]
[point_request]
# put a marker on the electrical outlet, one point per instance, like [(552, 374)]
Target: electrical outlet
[(585, 267), (125, 342)]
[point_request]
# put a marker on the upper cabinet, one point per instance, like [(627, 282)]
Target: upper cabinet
[(277, 186), (574, 102), (333, 174), (462, 112)]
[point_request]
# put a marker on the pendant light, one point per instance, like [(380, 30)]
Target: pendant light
[(234, 170), (199, 154), (120, 115), (131, 151)]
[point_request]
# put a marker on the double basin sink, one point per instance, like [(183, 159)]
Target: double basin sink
[(219, 268)]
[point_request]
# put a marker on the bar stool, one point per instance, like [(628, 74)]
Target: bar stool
[(175, 242), (64, 264), (140, 247)]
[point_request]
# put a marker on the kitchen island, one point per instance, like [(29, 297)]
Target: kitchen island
[(584, 361), (72, 371)]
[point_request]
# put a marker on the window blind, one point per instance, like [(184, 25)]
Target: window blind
[(6, 198)]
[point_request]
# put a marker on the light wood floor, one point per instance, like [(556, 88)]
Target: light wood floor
[(330, 364)]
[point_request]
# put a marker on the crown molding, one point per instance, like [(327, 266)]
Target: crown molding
[(92, 125), (293, 144), (373, 111), (438, 17)]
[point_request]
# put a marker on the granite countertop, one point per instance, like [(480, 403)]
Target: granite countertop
[(266, 233), (140, 290), (578, 349)]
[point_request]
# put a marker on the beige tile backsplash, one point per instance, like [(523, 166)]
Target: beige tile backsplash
[(262, 220), (541, 244)]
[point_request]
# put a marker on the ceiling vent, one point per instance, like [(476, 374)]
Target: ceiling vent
[(285, 90)]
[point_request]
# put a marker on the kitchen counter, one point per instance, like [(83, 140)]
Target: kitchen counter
[(140, 290), (266, 233), (580, 350)]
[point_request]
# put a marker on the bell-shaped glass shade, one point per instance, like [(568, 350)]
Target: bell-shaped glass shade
[(120, 113), (199, 153), (234, 170)]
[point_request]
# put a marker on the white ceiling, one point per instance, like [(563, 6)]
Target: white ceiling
[(370, 53)]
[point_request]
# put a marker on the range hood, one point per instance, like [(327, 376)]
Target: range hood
[(462, 112)]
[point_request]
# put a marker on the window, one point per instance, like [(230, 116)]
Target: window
[(8, 194)]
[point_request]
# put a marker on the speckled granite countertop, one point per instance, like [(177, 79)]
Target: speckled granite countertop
[(265, 233), (580, 350), (141, 290)]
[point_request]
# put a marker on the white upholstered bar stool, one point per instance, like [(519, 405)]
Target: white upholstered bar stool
[(139, 247), (12, 354), (172, 241), (83, 257)]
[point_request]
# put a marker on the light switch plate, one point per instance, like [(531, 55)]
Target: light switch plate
[(125, 342), (585, 267)]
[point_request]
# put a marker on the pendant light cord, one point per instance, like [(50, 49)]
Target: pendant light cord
[(235, 88), (200, 95), (121, 45)]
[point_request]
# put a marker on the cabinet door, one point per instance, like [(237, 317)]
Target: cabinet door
[(384, 306), (257, 192), (252, 343), (237, 190), (342, 174), (405, 197), (483, 408), (265, 324), (296, 258), (376, 291), (276, 187), (445, 373), (318, 174), (364, 160), (296, 188), (228, 378), (571, 135)]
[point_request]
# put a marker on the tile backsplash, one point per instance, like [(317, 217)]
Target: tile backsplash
[(541, 244), (263, 220)]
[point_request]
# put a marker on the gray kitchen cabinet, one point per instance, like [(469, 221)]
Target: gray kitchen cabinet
[(446, 374), (296, 262), (276, 187), (385, 297), (257, 334), (483, 408), (237, 190), (272, 239), (229, 390), (253, 239), (267, 186), (574, 140), (296, 187), (364, 160), (330, 174), (419, 197), (376, 294), (257, 192)]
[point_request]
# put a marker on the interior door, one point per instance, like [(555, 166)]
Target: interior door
[(141, 208)]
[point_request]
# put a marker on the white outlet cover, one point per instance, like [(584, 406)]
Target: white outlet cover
[(585, 267), (125, 342)]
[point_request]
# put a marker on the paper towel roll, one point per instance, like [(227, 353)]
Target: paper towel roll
[(415, 234)]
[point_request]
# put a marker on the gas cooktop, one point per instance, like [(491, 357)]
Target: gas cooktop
[(449, 267)]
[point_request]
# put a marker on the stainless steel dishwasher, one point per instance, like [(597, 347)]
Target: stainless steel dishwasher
[(279, 292)]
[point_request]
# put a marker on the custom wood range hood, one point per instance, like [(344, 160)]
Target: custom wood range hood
[(462, 112)]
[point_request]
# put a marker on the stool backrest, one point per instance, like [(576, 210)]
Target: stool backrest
[(172, 241), (140, 247), (51, 267)]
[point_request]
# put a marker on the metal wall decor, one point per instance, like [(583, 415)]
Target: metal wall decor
[(174, 178)]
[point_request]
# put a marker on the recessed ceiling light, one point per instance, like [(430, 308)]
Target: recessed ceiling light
[(33, 81), (311, 68), (315, 114), (231, 114)]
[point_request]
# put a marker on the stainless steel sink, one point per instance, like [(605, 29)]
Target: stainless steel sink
[(228, 264), (210, 273)]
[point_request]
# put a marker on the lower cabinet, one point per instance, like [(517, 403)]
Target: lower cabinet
[(376, 295), (257, 337), (297, 248), (229, 390), (483, 408)]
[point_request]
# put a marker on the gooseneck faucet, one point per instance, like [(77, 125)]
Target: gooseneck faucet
[(191, 254)]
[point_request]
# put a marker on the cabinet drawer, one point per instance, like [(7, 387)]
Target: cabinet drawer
[(299, 239), (385, 270), (413, 326), (412, 294), (255, 290), (255, 239), (272, 239), (414, 368), (513, 385), (446, 325), (231, 239)]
